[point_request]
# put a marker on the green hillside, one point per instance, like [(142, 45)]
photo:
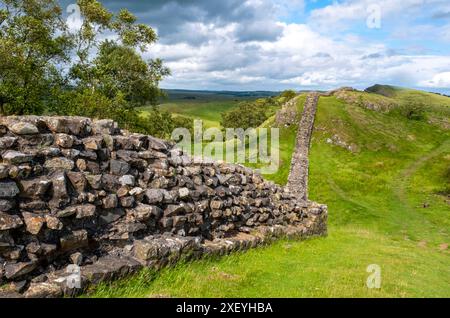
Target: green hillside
[(385, 90), (386, 180), (207, 110)]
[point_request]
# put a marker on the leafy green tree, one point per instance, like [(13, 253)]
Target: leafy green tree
[(288, 94), (119, 68), (33, 40), (161, 123), (103, 63), (47, 67), (252, 114), (113, 70), (183, 122), (245, 115)]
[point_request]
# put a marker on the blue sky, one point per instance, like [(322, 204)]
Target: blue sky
[(300, 44)]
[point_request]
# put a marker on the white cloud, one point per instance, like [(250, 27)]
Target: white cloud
[(441, 80), (74, 20), (299, 58), (346, 11), (297, 55)]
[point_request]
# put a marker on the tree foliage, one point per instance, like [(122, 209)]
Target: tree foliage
[(119, 69), (95, 70), (116, 64), (245, 115), (252, 114), (161, 123), (288, 94), (33, 40)]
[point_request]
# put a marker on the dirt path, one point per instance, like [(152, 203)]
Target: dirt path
[(345, 195), (298, 175), (401, 186)]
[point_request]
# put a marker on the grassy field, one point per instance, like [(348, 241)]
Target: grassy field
[(207, 106), (388, 205), (208, 111)]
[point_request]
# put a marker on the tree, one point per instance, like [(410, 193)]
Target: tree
[(119, 68), (113, 70), (245, 115), (104, 64), (47, 67), (161, 123), (288, 94), (33, 40)]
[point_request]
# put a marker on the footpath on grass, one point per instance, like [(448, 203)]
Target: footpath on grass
[(406, 173)]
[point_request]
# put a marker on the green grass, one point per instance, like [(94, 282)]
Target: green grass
[(376, 198), (380, 187), (209, 111), (327, 267), (437, 107)]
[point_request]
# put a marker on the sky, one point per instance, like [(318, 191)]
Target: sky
[(298, 44)]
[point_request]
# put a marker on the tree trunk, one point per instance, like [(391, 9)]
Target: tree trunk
[(2, 110)]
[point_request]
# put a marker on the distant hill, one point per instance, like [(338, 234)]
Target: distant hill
[(393, 91), (385, 90), (202, 95)]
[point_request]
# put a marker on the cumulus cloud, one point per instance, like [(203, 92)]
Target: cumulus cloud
[(441, 80), (278, 44), (343, 13)]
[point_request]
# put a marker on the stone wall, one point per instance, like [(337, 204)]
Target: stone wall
[(299, 173), (84, 192), (288, 114)]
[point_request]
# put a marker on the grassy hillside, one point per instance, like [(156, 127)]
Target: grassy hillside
[(384, 90), (436, 107), (208, 111), (389, 205)]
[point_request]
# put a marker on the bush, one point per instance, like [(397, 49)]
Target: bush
[(413, 110), (446, 190)]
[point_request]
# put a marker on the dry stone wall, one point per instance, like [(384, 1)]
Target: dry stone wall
[(80, 191), (287, 115), (299, 173)]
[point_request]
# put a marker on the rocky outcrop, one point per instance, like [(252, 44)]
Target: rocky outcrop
[(338, 91), (366, 100), (340, 142), (84, 192), (299, 173)]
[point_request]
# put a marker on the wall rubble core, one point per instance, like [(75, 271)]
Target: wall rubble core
[(80, 191)]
